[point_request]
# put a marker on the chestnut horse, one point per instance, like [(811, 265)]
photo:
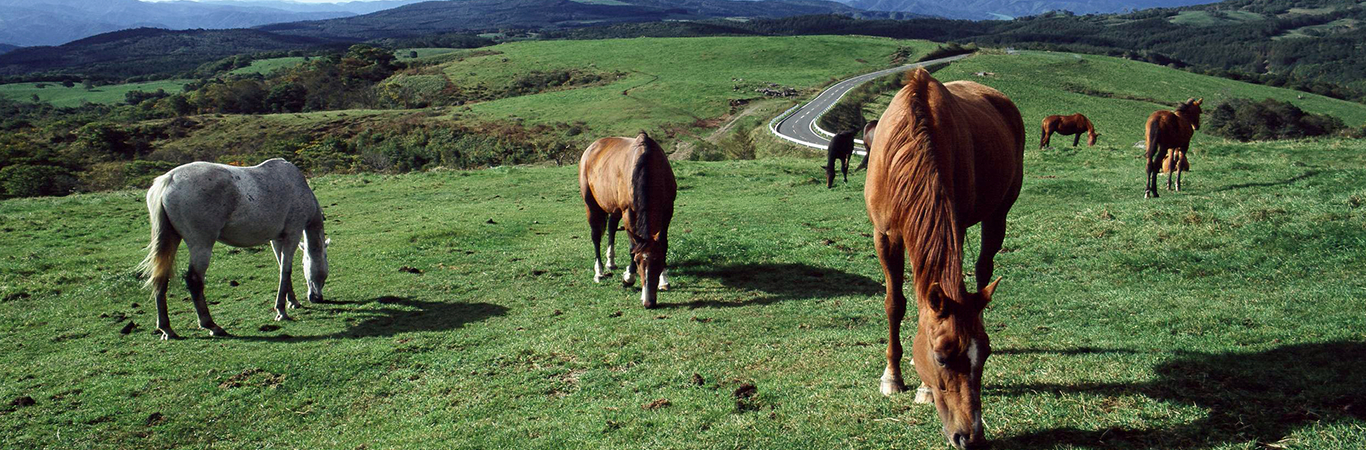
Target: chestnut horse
[(947, 156), (1067, 126), (1170, 131), (632, 176)]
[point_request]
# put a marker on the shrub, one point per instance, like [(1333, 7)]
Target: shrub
[(1247, 120), (25, 180)]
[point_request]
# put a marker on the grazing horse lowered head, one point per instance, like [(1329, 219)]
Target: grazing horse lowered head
[(841, 148), (947, 156), (1067, 126), (617, 176), (203, 203), (1170, 131)]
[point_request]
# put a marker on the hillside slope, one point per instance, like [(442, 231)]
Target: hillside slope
[(445, 16), (145, 51)]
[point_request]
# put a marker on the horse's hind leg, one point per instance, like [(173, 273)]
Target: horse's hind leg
[(993, 234), (596, 222), (284, 256), (891, 251), (200, 255), (844, 164), (612, 222)]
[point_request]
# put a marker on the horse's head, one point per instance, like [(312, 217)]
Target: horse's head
[(950, 349), (648, 258), (1190, 110), (315, 264)]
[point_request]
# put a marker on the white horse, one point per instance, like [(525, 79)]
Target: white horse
[(203, 203)]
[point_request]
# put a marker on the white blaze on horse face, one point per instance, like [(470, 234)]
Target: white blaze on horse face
[(975, 356)]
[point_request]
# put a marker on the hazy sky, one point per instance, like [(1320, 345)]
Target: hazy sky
[(293, 1)]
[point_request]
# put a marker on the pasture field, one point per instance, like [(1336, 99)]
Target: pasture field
[(668, 81), (266, 66), (58, 95), (1116, 94), (405, 54), (1224, 317)]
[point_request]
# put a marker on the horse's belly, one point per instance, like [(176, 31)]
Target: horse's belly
[(249, 233)]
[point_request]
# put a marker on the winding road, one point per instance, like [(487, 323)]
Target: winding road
[(798, 125)]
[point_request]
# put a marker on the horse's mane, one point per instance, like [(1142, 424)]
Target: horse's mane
[(1185, 106), (640, 188), (921, 186)]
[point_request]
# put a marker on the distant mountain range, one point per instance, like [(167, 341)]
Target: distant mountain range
[(479, 15), (5, 48), (1008, 9), (53, 22), (147, 51)]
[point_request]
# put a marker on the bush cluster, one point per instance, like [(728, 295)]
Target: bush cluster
[(1246, 120)]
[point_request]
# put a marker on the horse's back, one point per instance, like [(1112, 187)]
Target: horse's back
[(605, 173), (996, 134), (1169, 129), (242, 206)]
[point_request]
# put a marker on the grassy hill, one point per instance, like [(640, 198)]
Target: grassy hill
[(1223, 317)]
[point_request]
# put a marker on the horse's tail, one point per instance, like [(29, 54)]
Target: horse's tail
[(1152, 136), (161, 251), (640, 187)]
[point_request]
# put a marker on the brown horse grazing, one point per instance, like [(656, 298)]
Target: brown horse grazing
[(1170, 131), (947, 156), (1067, 126), (868, 131), (622, 175), (841, 148)]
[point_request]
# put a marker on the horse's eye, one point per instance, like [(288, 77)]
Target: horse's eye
[(941, 359)]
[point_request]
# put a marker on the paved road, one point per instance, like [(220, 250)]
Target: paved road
[(797, 126)]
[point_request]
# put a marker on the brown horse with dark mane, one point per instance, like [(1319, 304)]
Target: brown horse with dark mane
[(1067, 126), (1170, 131), (632, 177), (948, 156)]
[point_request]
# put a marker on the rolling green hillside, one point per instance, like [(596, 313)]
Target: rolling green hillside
[(669, 81)]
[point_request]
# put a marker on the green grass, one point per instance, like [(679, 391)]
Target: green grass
[(266, 66), (57, 95), (669, 81), (1120, 119), (1208, 18), (1308, 32), (1227, 316)]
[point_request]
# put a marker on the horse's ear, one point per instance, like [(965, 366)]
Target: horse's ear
[(1198, 102), (938, 301), (987, 292)]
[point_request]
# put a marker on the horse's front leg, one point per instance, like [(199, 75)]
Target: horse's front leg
[(1076, 140), (892, 253), (200, 256), (284, 251), (612, 222), (844, 166)]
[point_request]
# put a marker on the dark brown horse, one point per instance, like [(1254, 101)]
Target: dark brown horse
[(947, 156), (627, 176), (1067, 126), (1170, 131), (841, 148)]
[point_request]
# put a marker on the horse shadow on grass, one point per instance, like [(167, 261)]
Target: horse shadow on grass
[(1306, 175), (397, 315), (775, 282), (1261, 397)]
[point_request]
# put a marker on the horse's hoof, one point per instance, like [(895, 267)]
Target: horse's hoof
[(923, 395), (891, 386), (610, 269), (282, 317), (217, 331), (663, 287), (648, 305), (295, 305), (597, 278), (168, 335)]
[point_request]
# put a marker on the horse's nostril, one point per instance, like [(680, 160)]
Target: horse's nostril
[(960, 440)]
